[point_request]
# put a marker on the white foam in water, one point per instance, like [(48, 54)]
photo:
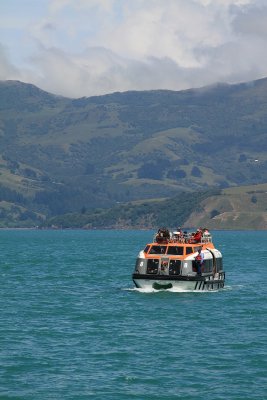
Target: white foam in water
[(179, 290), (173, 290), (228, 287), (147, 290)]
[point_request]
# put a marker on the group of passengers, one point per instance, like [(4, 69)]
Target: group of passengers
[(164, 235)]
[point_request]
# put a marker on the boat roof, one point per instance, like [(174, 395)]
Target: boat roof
[(200, 244)]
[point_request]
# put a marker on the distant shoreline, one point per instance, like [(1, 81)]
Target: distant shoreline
[(118, 229)]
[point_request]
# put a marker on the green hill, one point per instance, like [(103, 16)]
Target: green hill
[(236, 208), (138, 215), (60, 155)]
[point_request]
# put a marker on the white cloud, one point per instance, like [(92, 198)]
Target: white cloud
[(6, 68), (87, 47)]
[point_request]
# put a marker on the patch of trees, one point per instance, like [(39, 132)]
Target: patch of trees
[(28, 215), (11, 196), (169, 212), (176, 174), (242, 158), (214, 213), (89, 169), (196, 172), (153, 169), (254, 199), (29, 173)]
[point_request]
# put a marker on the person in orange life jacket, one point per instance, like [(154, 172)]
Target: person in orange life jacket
[(199, 261)]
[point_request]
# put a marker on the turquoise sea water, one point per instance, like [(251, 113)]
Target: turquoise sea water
[(72, 326)]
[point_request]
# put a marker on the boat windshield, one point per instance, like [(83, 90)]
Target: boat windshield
[(175, 250), (157, 250), (146, 249)]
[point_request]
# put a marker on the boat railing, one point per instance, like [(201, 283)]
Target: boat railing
[(181, 239), (206, 239)]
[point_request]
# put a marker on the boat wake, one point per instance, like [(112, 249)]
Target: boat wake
[(234, 287)]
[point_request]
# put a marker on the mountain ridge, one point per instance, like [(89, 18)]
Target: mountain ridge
[(62, 155)]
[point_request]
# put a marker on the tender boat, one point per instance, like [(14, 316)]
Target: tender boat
[(173, 261)]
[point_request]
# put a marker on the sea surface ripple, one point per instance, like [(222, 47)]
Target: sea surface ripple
[(72, 325)]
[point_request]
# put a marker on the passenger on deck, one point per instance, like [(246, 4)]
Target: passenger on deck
[(178, 235), (199, 261), (196, 237), (179, 231), (185, 236), (206, 232), (163, 235)]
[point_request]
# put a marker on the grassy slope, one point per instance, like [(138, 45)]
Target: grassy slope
[(242, 207)]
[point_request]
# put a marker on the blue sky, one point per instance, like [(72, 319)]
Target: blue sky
[(81, 48)]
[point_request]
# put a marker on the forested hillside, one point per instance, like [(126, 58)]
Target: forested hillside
[(236, 208), (60, 155)]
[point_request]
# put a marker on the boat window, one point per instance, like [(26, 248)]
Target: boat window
[(175, 250), (189, 250), (157, 250), (146, 249), (219, 263), (175, 267), (152, 266), (207, 265)]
